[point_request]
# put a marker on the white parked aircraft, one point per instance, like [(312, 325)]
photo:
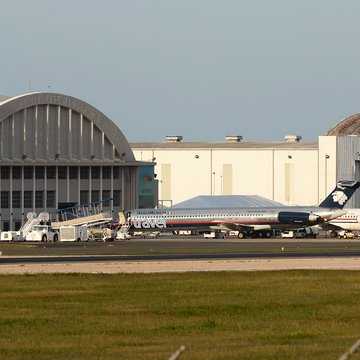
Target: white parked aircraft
[(348, 222), (243, 220)]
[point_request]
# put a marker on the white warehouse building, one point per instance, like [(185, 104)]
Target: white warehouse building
[(292, 172)]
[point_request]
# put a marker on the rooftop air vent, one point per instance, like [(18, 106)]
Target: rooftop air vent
[(292, 138), (233, 138), (173, 138)]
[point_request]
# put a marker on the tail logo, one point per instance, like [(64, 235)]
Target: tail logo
[(339, 197)]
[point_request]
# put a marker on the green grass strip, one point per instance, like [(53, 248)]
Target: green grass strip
[(226, 315)]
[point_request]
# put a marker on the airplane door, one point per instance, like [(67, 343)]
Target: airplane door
[(122, 219)]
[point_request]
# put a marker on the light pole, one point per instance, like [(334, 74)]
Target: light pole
[(326, 159), (214, 182)]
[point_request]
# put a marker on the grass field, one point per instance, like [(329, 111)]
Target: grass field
[(229, 315)]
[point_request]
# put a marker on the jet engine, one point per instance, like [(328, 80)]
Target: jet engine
[(298, 218)]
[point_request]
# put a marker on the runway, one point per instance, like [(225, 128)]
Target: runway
[(182, 255)]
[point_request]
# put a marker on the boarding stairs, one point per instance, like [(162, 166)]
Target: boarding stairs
[(91, 214), (32, 220), (90, 220)]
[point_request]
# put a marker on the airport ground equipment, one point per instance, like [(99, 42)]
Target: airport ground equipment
[(122, 235), (11, 236), (42, 233), (22, 233), (344, 234), (73, 233), (308, 232), (91, 214), (215, 235)]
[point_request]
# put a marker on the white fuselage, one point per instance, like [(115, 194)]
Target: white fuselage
[(349, 221), (225, 218)]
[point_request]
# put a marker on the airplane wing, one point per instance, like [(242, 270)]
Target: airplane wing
[(243, 227), (328, 226)]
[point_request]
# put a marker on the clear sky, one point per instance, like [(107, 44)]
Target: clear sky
[(202, 69)]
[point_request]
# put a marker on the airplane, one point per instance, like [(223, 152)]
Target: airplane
[(348, 222), (243, 220)]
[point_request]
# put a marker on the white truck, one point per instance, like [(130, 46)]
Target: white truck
[(308, 232), (73, 233), (42, 233)]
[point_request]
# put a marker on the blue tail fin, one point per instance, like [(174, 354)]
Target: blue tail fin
[(341, 194)]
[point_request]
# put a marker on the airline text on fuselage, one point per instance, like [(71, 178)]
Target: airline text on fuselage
[(149, 223)]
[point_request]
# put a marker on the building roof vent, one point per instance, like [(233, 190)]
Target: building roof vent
[(233, 138), (292, 138), (173, 138)]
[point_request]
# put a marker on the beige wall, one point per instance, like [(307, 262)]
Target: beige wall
[(292, 175), (286, 176)]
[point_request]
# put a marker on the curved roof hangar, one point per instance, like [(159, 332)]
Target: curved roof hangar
[(348, 126), (53, 126)]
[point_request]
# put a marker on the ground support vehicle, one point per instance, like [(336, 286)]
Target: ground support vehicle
[(32, 220), (123, 233), (73, 233), (309, 232), (215, 235), (11, 236), (256, 234), (42, 233), (346, 235), (288, 234)]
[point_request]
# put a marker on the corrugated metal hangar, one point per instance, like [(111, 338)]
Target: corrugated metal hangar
[(57, 151), (292, 172)]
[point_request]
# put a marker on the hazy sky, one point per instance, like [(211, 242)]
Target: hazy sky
[(202, 69)]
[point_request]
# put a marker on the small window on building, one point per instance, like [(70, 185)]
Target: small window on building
[(50, 199), (39, 199), (5, 172), (62, 172), (28, 172), (16, 172), (84, 172), (50, 172), (6, 226), (95, 172), (28, 200), (106, 172), (17, 225), (39, 172), (95, 195), (16, 199), (5, 199), (84, 196), (73, 172)]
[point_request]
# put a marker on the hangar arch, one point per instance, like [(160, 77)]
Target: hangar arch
[(57, 127), (348, 126), (57, 151)]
